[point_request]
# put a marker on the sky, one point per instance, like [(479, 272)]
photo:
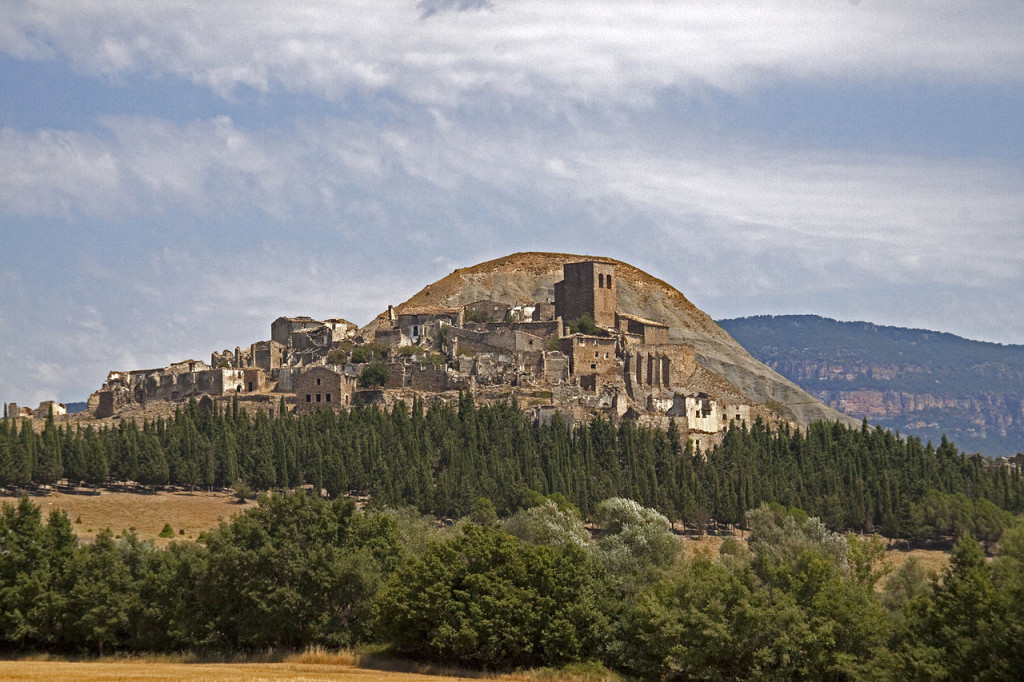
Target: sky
[(174, 176)]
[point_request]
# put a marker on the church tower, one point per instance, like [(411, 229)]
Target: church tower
[(588, 287)]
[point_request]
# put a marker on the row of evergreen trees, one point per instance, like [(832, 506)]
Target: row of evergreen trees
[(444, 457)]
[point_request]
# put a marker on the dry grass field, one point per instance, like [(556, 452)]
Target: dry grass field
[(188, 513), (310, 665), (129, 670)]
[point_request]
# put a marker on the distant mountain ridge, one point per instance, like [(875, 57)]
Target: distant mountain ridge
[(917, 381)]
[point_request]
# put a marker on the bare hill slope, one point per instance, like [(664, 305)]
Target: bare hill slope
[(531, 276)]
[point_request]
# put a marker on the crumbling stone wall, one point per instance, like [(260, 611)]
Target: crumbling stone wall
[(268, 355), (44, 408), (430, 378), (311, 338), (486, 311), (106, 406), (555, 367), (254, 379), (397, 375), (282, 327), (544, 312)]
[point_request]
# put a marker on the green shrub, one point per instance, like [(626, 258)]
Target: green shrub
[(369, 352), (585, 324), (374, 374)]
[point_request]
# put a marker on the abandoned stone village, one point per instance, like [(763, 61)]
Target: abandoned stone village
[(577, 355)]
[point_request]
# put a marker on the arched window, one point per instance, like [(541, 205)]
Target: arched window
[(600, 281)]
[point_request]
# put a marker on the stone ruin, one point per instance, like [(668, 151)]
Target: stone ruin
[(624, 365)]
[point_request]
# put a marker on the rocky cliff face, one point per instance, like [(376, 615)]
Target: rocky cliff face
[(918, 382), (530, 277)]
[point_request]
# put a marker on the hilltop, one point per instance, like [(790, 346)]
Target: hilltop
[(531, 276)]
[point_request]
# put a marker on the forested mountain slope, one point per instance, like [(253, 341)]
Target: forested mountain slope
[(920, 382)]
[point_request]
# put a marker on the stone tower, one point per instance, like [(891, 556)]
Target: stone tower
[(589, 287)]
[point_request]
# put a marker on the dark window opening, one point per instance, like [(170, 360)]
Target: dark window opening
[(328, 397), (307, 397), (318, 397)]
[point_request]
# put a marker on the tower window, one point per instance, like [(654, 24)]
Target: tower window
[(608, 281), (600, 281)]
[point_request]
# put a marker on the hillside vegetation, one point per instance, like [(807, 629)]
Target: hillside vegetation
[(916, 381), (558, 548), (534, 589), (442, 458)]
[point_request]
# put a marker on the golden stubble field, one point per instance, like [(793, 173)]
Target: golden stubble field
[(316, 666), (313, 664), (188, 513), (135, 670)]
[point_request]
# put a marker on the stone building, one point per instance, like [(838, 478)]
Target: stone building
[(311, 338), (282, 327), (650, 332), (341, 329), (414, 322), (590, 357), (544, 312), (706, 415), (254, 379), (44, 408), (16, 412), (320, 387), (588, 288), (268, 355), (485, 311)]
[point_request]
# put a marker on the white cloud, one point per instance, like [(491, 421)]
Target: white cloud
[(599, 49), (351, 178)]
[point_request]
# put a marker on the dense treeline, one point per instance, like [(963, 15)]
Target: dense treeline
[(443, 458), (795, 602)]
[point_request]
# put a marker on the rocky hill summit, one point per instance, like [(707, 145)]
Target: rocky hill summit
[(726, 366)]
